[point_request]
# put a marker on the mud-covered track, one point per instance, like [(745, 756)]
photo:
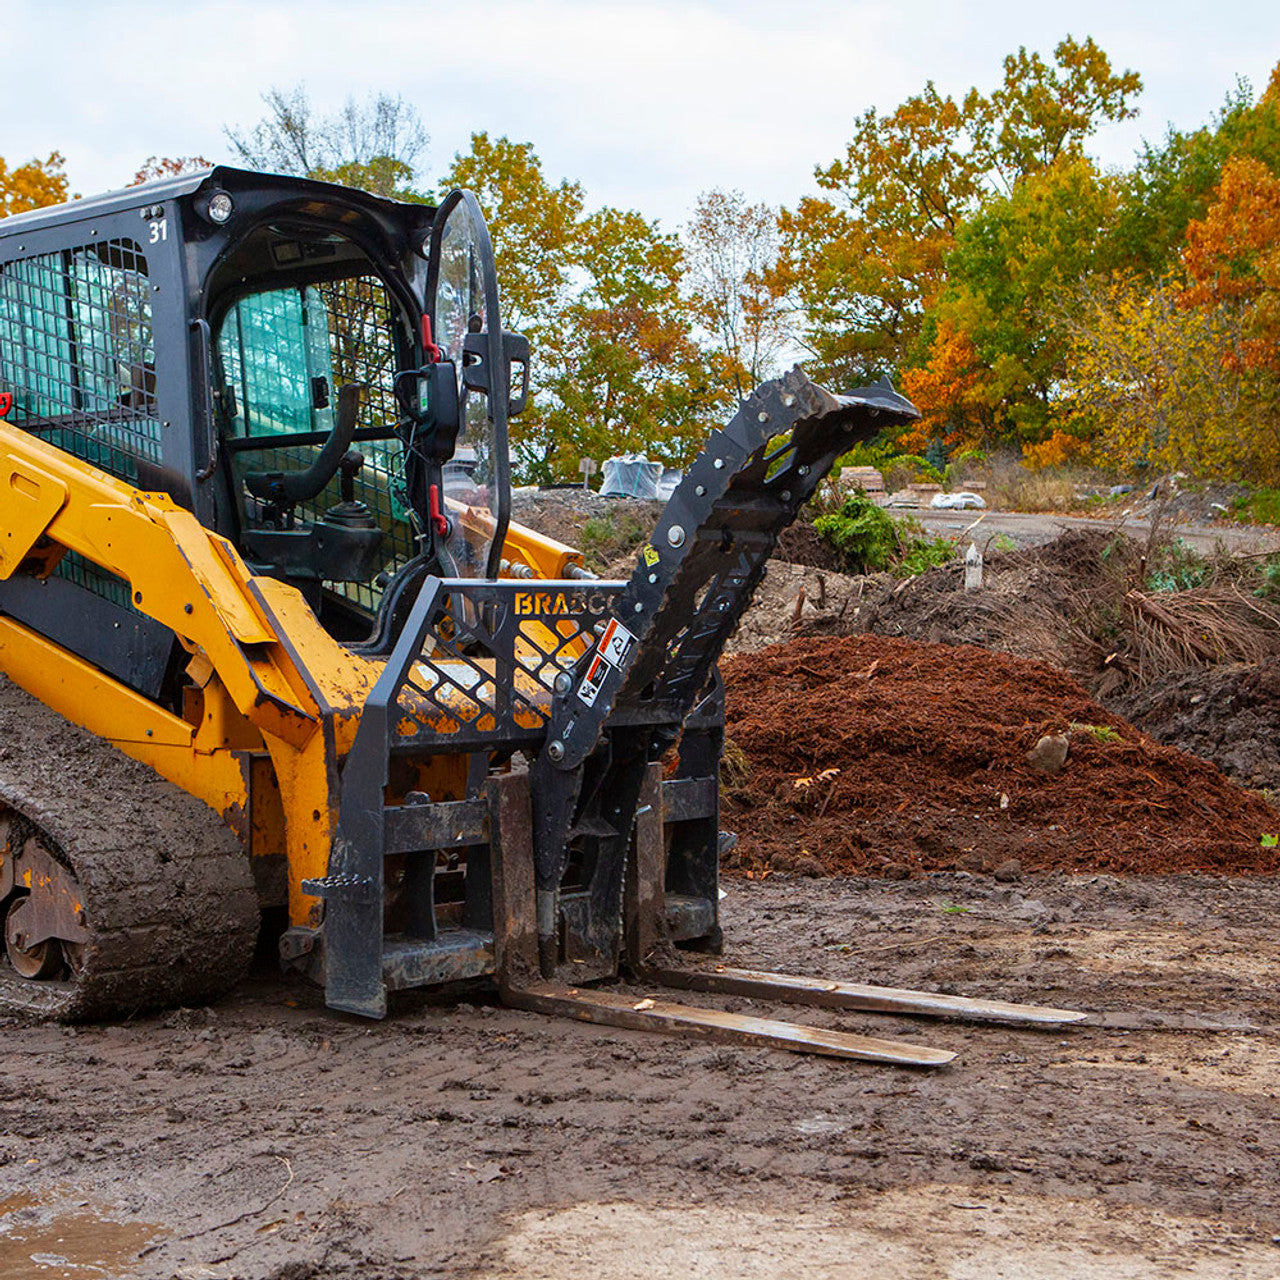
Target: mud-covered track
[(168, 893)]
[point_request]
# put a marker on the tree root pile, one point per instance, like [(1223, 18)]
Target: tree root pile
[(869, 753)]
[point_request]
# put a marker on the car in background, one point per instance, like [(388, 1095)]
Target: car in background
[(963, 501)]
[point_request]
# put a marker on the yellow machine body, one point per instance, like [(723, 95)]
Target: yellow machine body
[(275, 702)]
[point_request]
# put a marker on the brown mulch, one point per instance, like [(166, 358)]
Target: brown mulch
[(928, 746)]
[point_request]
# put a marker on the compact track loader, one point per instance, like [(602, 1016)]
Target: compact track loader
[(271, 639)]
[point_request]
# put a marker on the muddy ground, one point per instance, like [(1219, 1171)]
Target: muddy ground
[(265, 1137)]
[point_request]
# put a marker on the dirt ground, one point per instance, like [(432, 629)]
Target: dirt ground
[(267, 1138)]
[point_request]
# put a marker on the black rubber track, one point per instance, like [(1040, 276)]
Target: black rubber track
[(168, 893)]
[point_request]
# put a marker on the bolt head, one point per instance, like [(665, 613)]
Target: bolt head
[(564, 682), (555, 750), (675, 535)]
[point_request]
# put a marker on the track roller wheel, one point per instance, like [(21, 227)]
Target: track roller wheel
[(40, 960)]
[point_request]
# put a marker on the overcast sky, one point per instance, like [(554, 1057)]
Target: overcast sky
[(646, 103)]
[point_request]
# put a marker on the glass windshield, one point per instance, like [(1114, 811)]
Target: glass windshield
[(469, 477)]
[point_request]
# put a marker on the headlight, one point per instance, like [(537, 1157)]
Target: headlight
[(220, 208)]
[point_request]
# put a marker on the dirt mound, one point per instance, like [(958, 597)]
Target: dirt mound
[(1188, 666), (1030, 604), (798, 599), (866, 751), (801, 543), (1230, 715)]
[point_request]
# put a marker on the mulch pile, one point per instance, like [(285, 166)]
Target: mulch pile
[(874, 755)]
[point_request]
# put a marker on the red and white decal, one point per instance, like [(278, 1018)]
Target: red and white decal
[(589, 689), (615, 643)]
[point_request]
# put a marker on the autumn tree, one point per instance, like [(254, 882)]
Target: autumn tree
[(1154, 380), (1233, 260), (1014, 267), (615, 364), (625, 374), (533, 223), (32, 185), (1172, 183), (868, 258), (375, 145), (731, 250), (153, 168)]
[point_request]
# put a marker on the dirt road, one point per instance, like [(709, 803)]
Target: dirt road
[(1030, 529), (266, 1137)]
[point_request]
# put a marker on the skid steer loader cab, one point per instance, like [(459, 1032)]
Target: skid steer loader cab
[(346, 374), (199, 343), (255, 506)]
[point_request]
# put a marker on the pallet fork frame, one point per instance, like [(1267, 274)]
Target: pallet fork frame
[(652, 962)]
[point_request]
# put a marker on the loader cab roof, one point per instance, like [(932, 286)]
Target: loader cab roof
[(256, 191)]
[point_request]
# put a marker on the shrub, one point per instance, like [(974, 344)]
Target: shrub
[(1262, 506), (871, 539), (1176, 567)]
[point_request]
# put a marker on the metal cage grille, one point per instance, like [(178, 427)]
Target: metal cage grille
[(78, 354), (497, 649)]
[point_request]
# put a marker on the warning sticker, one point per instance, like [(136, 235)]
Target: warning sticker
[(589, 689), (615, 643), (650, 556)]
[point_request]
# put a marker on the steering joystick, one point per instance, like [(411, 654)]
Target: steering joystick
[(350, 512)]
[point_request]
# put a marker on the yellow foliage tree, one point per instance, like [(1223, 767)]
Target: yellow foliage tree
[(1154, 377), (32, 185)]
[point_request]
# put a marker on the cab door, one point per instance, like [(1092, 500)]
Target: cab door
[(463, 308)]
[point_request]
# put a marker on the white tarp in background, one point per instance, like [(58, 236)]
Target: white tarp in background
[(630, 476)]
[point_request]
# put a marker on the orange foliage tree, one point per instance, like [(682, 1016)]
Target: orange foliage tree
[(1233, 258), (949, 392), (154, 167), (32, 185)]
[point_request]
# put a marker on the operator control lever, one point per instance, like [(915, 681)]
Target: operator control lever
[(350, 512), (288, 488)]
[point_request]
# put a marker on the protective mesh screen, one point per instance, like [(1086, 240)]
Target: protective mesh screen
[(77, 353), (275, 348)]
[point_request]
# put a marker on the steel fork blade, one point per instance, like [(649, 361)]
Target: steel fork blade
[(652, 1014), (852, 995)]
